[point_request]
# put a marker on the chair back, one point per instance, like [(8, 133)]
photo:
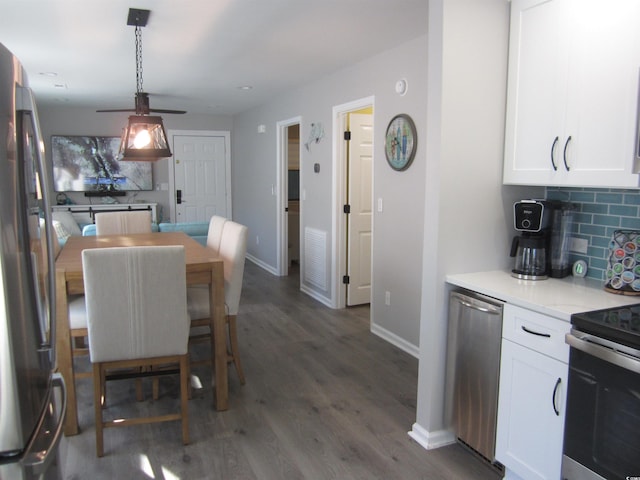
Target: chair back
[(114, 223), (216, 225), (136, 302), (233, 248)]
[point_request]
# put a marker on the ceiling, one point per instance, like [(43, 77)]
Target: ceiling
[(197, 53)]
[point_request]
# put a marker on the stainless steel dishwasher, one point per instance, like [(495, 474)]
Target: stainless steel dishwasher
[(473, 366)]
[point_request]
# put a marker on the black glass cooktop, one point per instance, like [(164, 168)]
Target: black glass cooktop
[(620, 324)]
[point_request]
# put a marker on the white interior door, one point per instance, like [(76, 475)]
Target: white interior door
[(360, 182), (200, 177)]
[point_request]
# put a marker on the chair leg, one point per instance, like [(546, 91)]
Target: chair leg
[(184, 400), (235, 351), (97, 404)]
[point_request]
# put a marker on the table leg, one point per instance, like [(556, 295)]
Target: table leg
[(64, 356), (219, 337)]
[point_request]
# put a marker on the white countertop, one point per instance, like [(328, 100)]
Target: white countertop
[(558, 298)]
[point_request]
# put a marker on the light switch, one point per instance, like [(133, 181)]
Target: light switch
[(380, 204)]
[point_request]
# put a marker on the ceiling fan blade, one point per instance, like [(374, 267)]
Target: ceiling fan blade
[(118, 110), (158, 110)]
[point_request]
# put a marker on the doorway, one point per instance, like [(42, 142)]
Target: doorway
[(353, 197), (200, 182), (290, 194)]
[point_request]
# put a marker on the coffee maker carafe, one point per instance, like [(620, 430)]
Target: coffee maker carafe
[(531, 248)]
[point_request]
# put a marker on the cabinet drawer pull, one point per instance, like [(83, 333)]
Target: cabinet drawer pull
[(564, 153), (535, 333), (553, 398), (553, 147)]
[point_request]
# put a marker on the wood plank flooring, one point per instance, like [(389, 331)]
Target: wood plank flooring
[(324, 399)]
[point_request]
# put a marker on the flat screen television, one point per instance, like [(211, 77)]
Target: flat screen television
[(90, 164)]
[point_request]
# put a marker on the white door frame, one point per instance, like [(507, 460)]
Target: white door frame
[(281, 187), (172, 165), (338, 242)]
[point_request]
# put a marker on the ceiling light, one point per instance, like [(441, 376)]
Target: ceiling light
[(144, 138)]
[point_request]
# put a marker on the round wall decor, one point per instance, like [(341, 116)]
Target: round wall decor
[(400, 142)]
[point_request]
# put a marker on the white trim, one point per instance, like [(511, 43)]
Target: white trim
[(315, 295), (261, 264), (431, 440), (394, 339), (281, 189), (338, 242), (172, 164)]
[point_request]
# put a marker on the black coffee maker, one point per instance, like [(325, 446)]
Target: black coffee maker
[(531, 248)]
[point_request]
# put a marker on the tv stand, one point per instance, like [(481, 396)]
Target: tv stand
[(84, 214), (114, 193)]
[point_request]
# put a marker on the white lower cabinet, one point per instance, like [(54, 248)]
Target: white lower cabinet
[(532, 397)]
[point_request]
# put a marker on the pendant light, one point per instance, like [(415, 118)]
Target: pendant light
[(144, 138)]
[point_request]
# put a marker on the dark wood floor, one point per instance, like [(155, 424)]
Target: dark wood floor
[(324, 399)]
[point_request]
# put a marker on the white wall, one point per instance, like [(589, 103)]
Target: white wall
[(86, 121), (468, 209), (397, 236)]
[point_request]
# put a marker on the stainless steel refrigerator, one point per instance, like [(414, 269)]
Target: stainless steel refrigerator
[(32, 396)]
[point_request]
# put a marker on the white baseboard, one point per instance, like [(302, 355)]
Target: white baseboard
[(431, 440), (393, 339), (316, 296), (261, 264)]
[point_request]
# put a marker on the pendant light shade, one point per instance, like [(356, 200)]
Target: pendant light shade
[(144, 139)]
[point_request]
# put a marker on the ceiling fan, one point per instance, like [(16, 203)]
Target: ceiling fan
[(139, 18)]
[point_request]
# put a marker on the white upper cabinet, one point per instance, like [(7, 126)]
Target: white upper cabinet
[(572, 97)]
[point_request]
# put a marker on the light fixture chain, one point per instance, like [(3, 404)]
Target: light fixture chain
[(138, 59)]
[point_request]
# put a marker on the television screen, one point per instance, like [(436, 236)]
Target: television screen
[(90, 164)]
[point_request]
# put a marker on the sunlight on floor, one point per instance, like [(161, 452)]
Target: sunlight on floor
[(147, 469)]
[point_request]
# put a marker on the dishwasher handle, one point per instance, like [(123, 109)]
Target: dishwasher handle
[(482, 306)]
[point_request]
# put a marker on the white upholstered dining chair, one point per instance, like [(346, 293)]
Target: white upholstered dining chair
[(214, 235), (114, 223), (233, 248), (136, 318)]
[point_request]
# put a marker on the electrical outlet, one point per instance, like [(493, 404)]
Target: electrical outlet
[(387, 298), (578, 245)]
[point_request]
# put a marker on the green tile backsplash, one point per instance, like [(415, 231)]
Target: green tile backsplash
[(600, 212)]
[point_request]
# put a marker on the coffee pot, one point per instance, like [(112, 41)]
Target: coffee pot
[(531, 257), (531, 248)]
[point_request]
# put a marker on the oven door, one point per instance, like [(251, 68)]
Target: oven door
[(602, 426)]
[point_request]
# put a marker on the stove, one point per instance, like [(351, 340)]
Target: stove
[(618, 324), (602, 424)]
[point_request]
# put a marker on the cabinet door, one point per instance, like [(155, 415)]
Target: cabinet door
[(602, 94), (531, 410), (572, 95), (536, 86)]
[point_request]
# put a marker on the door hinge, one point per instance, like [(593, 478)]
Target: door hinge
[(347, 135), (346, 209), (345, 279)]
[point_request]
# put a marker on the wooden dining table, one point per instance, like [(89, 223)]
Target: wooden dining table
[(202, 267)]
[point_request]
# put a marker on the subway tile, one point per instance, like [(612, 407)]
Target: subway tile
[(632, 199), (623, 210), (633, 223), (595, 208), (604, 197), (587, 229), (607, 220), (582, 197)]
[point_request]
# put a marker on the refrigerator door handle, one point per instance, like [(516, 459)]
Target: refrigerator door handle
[(37, 458), (25, 102)]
